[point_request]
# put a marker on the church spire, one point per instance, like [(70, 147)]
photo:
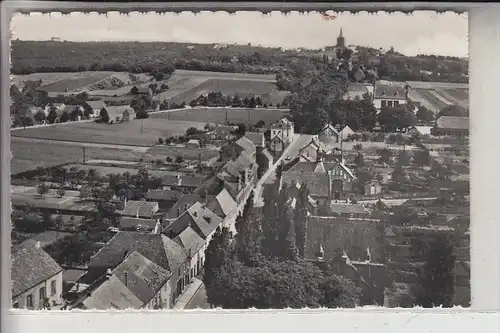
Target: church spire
[(341, 35)]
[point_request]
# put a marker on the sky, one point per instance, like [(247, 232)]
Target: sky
[(420, 32)]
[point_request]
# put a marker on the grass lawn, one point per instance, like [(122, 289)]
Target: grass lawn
[(128, 134), (218, 115), (30, 155)]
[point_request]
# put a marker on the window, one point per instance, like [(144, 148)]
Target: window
[(15, 305), (53, 287), (389, 104), (384, 104), (396, 103), (29, 301), (42, 294)]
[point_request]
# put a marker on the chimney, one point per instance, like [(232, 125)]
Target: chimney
[(186, 206), (157, 227), (178, 211), (108, 273), (126, 279)]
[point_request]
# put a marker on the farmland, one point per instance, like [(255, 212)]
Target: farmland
[(436, 95), (120, 134), (218, 115), (30, 155)]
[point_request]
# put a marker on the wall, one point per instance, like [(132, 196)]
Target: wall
[(377, 102), (37, 303)]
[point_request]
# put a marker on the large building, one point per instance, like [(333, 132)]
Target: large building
[(340, 39)]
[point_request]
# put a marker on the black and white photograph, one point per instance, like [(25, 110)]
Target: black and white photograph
[(179, 161)]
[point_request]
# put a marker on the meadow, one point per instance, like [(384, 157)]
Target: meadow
[(30, 155), (220, 115), (134, 133)]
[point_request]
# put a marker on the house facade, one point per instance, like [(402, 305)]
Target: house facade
[(389, 94), (95, 107), (284, 129), (37, 280), (329, 135)]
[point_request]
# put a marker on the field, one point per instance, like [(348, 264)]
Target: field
[(437, 95), (79, 81), (30, 155), (218, 115), (128, 134), (185, 86)]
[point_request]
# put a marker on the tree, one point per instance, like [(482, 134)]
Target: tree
[(141, 114), (385, 155), (40, 116), (218, 258), (42, 189), (103, 116), (179, 159), (160, 141), (437, 280), (398, 174), (424, 115), (404, 158), (358, 147), (396, 118), (72, 250), (191, 131), (422, 157), (52, 116), (359, 160), (61, 191), (64, 117)]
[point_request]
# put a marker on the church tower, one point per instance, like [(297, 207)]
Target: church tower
[(340, 39)]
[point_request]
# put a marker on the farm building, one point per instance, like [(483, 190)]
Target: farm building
[(453, 126), (120, 113)]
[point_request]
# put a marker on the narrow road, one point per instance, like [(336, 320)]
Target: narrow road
[(293, 150), (138, 149), (199, 300)]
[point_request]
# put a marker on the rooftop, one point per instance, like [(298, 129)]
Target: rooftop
[(48, 237), (139, 208), (137, 223), (198, 217), (159, 195), (190, 240), (31, 265), (156, 247), (223, 204), (448, 122), (186, 201), (390, 90), (247, 145), (133, 284), (256, 138)]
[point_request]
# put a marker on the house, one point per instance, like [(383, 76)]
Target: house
[(277, 144), (193, 143), (37, 280), (166, 198), (239, 176), (389, 94), (283, 129), (140, 209), (373, 187), (224, 206), (95, 107), (184, 202), (157, 248), (257, 138), (325, 181), (119, 114), (327, 237), (136, 283), (222, 132), (313, 151), (452, 126), (128, 223), (143, 90), (420, 130), (190, 240), (182, 182), (346, 132), (244, 144), (70, 108), (198, 217), (34, 110), (329, 135), (264, 160)]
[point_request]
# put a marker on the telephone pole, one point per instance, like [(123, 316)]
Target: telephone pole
[(83, 148)]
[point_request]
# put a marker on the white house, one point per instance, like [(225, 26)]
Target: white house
[(389, 94), (346, 132), (96, 107), (37, 279), (284, 130), (59, 107)]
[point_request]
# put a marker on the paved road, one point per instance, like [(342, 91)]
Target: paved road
[(199, 300), (292, 151), (81, 144)]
